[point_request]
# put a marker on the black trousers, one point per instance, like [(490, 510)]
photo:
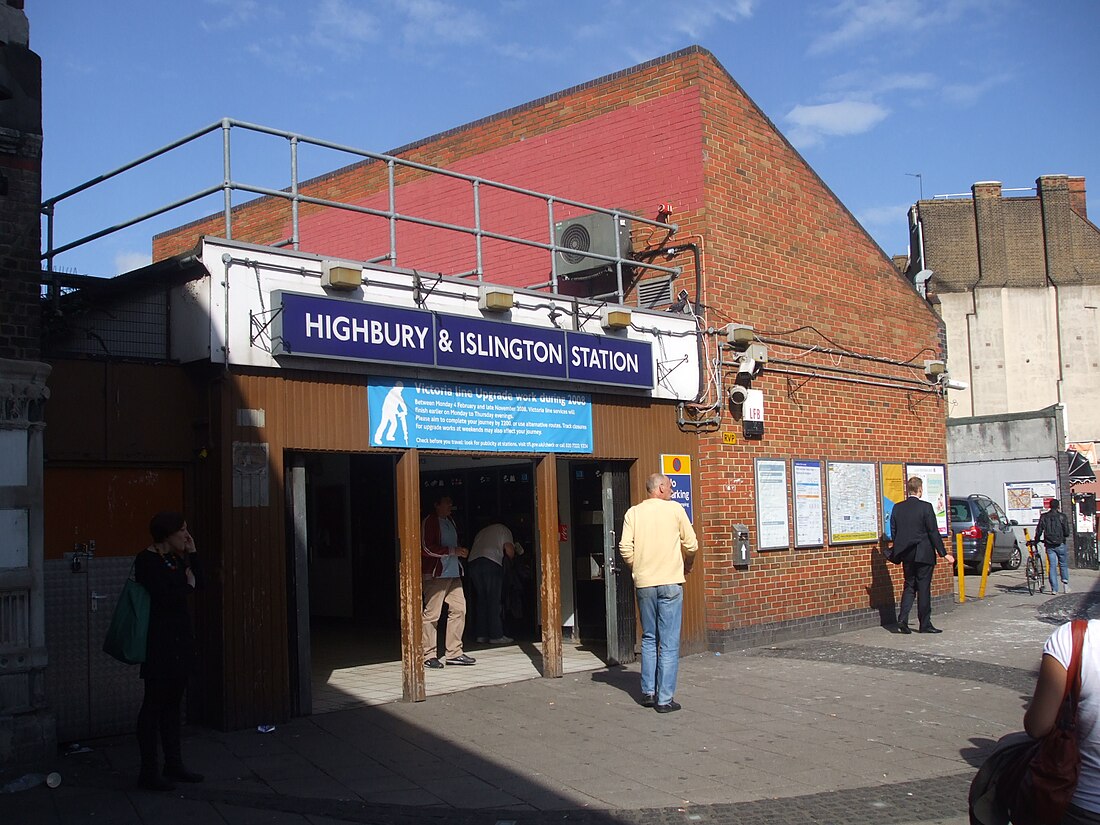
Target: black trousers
[(918, 584), (160, 717)]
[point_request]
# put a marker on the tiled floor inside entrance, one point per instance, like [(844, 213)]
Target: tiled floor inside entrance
[(338, 688)]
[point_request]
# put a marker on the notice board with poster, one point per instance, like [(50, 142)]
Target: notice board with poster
[(892, 479), (809, 508), (935, 489), (853, 502), (1026, 500), (772, 523)]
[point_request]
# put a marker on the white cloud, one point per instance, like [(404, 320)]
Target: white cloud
[(810, 124), (967, 94), (876, 20), (696, 19), (338, 23), (127, 260), (883, 216), (863, 85), (435, 21), (232, 13), (862, 20)]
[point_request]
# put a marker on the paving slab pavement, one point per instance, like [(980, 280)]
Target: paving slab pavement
[(866, 726)]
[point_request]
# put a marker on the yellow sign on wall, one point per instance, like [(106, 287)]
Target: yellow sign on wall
[(729, 438), (674, 465), (678, 470)]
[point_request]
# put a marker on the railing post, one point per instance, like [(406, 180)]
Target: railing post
[(227, 178), (477, 227), (294, 239), (553, 251), (618, 260), (393, 213)]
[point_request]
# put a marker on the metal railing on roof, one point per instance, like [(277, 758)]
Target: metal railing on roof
[(971, 194), (293, 194)]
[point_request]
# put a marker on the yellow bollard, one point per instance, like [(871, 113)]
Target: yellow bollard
[(985, 565), (960, 568)]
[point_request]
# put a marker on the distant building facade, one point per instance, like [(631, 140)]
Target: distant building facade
[(1016, 280)]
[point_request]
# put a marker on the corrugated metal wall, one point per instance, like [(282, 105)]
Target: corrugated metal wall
[(129, 415), (301, 413), (627, 428)]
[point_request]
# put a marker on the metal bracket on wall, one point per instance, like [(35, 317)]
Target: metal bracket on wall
[(420, 296), (258, 324), (664, 372), (793, 387)]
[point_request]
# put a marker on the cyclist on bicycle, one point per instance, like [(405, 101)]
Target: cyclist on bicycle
[(1053, 530)]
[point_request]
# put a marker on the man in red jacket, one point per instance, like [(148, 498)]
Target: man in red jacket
[(441, 574)]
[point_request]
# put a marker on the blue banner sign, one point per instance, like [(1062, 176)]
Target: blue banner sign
[(437, 416), (315, 326)]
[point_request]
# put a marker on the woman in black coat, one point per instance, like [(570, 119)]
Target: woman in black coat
[(169, 570)]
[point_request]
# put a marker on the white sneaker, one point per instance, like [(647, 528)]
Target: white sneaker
[(1065, 587), (501, 640)]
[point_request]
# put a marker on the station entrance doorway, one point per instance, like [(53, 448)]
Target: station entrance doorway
[(488, 489), (344, 601), (343, 568), (603, 612)]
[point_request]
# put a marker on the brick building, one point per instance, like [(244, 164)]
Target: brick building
[(1016, 279), (839, 339)]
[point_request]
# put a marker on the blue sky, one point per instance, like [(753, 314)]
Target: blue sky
[(871, 92)]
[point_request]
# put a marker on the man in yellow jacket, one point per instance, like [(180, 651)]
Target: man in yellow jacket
[(658, 545)]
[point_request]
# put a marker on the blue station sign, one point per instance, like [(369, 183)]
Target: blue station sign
[(320, 327)]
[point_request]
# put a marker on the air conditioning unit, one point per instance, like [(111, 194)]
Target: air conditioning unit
[(595, 232)]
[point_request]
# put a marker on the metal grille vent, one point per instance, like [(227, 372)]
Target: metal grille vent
[(655, 292), (575, 236)]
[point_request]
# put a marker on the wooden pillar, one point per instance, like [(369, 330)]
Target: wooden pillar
[(546, 506), (408, 533)]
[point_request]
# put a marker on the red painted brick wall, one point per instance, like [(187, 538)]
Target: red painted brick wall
[(780, 253)]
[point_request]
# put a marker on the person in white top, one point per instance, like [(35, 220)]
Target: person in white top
[(485, 565), (1043, 712)]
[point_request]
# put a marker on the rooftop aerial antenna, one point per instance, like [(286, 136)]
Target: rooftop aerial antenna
[(920, 181)]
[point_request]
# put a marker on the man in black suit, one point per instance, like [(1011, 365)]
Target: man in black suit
[(917, 543)]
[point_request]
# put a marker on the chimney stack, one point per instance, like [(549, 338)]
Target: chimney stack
[(1077, 196), (1054, 200), (989, 223)]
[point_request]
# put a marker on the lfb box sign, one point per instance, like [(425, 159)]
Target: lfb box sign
[(678, 470)]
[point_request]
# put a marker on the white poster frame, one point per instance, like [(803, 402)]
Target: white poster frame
[(865, 494), (934, 477), (768, 502), (803, 504)]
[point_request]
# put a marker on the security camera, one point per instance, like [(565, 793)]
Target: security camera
[(952, 384), (747, 367), (738, 394)]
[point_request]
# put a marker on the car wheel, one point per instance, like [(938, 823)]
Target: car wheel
[(1013, 562)]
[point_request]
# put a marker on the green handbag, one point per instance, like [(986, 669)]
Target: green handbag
[(127, 637)]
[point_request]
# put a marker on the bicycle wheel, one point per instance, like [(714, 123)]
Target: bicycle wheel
[(1032, 575)]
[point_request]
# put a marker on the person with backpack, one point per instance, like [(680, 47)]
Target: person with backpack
[(1053, 530)]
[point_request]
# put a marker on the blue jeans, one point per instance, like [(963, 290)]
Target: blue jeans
[(1058, 555), (487, 579), (662, 610)]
